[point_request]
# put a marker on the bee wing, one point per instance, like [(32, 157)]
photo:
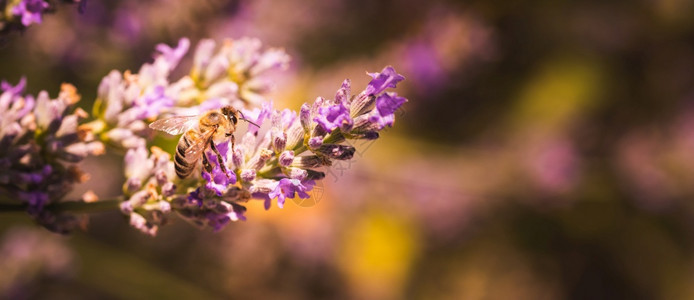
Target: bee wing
[(198, 146), (174, 125)]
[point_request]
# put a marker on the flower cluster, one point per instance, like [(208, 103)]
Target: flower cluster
[(40, 142), (237, 68), (233, 75), (20, 14), (148, 188), (279, 159), (275, 158), (124, 101)]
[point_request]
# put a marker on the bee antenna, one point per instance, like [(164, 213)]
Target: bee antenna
[(247, 120)]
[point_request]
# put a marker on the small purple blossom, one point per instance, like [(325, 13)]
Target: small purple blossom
[(223, 213), (148, 106), (287, 188), (204, 208), (218, 180), (195, 197), (386, 105), (16, 89), (388, 78), (258, 116), (174, 55), (334, 116)]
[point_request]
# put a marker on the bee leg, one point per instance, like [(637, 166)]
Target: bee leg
[(220, 161), (206, 163), (233, 142)]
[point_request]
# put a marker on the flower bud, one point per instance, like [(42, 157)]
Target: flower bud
[(362, 104), (279, 140), (339, 152), (305, 117), (248, 175), (286, 158), (314, 175), (309, 161), (297, 173), (295, 136), (315, 142)]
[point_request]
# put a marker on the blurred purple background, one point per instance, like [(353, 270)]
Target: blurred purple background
[(547, 152)]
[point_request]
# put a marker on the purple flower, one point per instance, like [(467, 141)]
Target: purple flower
[(276, 161), (153, 103), (140, 223), (146, 107), (39, 169), (287, 188), (138, 168), (241, 62), (224, 212), (218, 180), (17, 89), (195, 197), (148, 187), (386, 105), (381, 81), (202, 207), (30, 11), (258, 116), (35, 199), (261, 188), (174, 55), (334, 116)]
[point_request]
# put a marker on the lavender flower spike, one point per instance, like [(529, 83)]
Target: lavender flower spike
[(41, 141), (273, 166), (280, 156)]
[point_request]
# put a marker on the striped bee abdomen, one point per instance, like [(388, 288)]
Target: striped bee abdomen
[(185, 165)]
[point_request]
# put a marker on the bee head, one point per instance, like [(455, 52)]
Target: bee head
[(231, 114)]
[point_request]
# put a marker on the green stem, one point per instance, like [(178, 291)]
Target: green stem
[(334, 137), (69, 206)]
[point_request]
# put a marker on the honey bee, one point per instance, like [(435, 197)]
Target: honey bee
[(199, 133)]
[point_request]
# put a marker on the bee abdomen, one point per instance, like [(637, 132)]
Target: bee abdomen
[(183, 166)]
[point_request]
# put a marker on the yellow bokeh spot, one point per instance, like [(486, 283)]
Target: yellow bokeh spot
[(376, 254), (559, 92)]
